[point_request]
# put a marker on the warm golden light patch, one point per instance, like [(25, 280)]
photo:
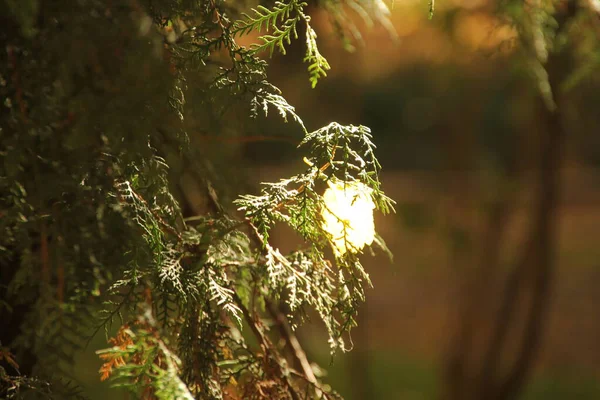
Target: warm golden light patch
[(348, 216)]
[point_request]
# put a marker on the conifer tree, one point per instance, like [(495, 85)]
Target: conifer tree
[(101, 103), (99, 100)]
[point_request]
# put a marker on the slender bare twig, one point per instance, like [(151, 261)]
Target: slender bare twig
[(322, 393), (290, 338), (268, 348)]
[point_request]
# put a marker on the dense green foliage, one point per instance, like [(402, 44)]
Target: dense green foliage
[(103, 105), (97, 96)]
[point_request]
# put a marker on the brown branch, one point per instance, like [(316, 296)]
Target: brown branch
[(165, 225), (290, 338), (286, 331), (268, 348), (284, 328), (321, 392), (302, 187)]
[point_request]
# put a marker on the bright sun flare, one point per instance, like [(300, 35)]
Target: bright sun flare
[(348, 216)]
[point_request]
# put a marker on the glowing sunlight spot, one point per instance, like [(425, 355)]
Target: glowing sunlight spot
[(348, 216)]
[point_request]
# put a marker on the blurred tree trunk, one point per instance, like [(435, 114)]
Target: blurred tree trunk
[(496, 344)]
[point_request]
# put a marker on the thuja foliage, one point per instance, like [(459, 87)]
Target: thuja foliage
[(100, 100), (102, 103)]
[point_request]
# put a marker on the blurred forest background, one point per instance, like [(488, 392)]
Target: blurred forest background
[(457, 121)]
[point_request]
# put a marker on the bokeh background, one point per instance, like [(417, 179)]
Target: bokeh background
[(454, 114)]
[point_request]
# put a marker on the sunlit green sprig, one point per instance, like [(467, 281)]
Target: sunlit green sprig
[(306, 278), (281, 24), (350, 154)]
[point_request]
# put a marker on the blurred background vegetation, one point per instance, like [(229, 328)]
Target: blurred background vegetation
[(457, 119)]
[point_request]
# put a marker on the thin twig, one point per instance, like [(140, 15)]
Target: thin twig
[(322, 392), (165, 225), (267, 347), (285, 330), (290, 337)]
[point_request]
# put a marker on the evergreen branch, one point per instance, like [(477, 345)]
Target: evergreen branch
[(267, 18), (224, 297), (140, 355), (271, 96), (279, 38), (108, 319), (319, 389), (318, 65), (196, 280), (131, 193), (282, 22)]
